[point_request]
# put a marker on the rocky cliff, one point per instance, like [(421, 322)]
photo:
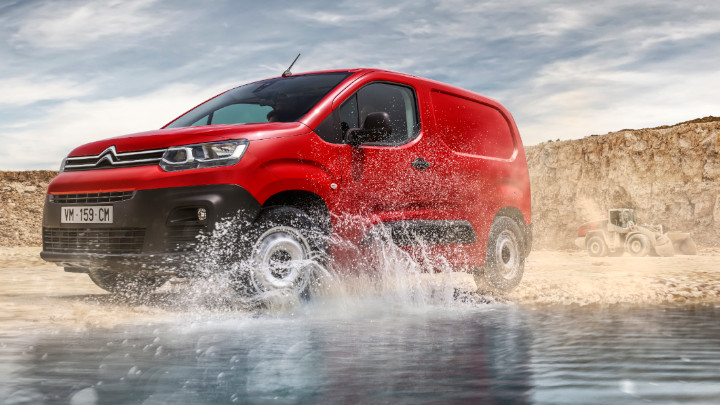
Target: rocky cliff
[(22, 195), (669, 175)]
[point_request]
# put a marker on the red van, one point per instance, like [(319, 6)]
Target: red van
[(288, 158)]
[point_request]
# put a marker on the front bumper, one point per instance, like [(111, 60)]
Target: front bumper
[(152, 230)]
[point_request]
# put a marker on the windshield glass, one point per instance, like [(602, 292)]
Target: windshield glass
[(284, 99)]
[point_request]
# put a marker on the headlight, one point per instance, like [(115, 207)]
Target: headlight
[(213, 154)]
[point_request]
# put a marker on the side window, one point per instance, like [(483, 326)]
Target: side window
[(348, 113), (398, 101)]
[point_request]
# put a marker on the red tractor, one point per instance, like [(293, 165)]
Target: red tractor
[(613, 236)]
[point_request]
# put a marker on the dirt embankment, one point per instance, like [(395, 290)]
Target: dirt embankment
[(670, 175), (22, 195)]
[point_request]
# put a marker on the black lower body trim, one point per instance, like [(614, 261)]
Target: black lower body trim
[(433, 232), (165, 224)]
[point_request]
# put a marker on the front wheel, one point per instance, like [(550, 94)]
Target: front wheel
[(505, 257), (285, 258), (126, 283), (638, 245)]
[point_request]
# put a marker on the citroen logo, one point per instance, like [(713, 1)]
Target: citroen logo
[(109, 154), (110, 157)]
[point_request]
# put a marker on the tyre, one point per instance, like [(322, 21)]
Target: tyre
[(505, 257), (288, 248), (638, 245), (596, 246), (130, 284)]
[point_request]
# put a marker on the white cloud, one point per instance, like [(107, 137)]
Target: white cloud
[(353, 12), (591, 95), (502, 20), (43, 143), (678, 32), (59, 26), (563, 70), (21, 91), (562, 20)]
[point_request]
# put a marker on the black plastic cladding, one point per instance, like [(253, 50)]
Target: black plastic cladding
[(150, 210)]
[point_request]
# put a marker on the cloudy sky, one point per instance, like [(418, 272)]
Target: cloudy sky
[(77, 71)]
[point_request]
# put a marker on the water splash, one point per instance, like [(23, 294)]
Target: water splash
[(373, 269)]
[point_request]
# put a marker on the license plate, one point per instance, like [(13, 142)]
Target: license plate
[(87, 215)]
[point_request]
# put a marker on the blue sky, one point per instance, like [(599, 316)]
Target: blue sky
[(76, 71)]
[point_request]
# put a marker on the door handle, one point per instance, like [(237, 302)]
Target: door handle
[(420, 164)]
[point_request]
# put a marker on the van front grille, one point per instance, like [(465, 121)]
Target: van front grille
[(91, 198), (112, 159), (88, 240)]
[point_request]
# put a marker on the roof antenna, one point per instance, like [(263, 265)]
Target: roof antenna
[(288, 72)]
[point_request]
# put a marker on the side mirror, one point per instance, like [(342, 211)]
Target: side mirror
[(377, 128)]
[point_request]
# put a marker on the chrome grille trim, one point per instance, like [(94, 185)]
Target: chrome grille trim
[(110, 158), (91, 198)]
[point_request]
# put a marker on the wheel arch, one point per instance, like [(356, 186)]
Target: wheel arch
[(307, 201), (516, 215), (598, 232)]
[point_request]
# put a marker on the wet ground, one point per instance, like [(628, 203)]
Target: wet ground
[(578, 330)]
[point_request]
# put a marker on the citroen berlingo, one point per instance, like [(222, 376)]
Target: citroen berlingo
[(288, 158)]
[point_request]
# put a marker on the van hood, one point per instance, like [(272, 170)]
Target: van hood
[(164, 138)]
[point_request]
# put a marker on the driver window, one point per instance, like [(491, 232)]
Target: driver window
[(398, 101), (348, 113)]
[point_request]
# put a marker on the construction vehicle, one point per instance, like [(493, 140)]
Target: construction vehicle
[(620, 233)]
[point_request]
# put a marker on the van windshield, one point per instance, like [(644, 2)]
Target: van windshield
[(284, 99)]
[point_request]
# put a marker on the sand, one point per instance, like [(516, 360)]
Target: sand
[(37, 295), (573, 277)]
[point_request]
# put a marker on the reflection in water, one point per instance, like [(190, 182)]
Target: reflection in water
[(651, 355), (379, 353), (313, 357)]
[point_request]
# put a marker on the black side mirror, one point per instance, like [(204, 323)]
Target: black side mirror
[(377, 128)]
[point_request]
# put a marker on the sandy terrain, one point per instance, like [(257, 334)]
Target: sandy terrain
[(573, 277), (40, 295)]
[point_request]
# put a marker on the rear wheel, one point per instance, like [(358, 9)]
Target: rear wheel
[(638, 245), (126, 283), (289, 247), (505, 257), (596, 246)]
